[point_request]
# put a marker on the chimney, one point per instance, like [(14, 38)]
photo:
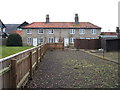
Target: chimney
[(47, 18), (76, 19), (118, 32)]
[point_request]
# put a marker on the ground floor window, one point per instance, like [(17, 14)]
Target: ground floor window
[(71, 40), (51, 40), (29, 40), (40, 40)]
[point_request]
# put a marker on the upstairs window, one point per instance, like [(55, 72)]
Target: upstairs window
[(29, 31), (82, 31), (93, 31), (72, 31), (40, 31), (51, 31)]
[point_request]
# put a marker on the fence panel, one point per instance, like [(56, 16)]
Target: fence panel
[(17, 68), (87, 44), (7, 75)]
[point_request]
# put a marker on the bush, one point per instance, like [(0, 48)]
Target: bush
[(14, 40)]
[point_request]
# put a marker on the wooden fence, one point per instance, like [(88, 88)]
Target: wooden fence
[(17, 69), (55, 46), (87, 43)]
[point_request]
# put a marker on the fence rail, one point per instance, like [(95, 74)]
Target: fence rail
[(17, 69)]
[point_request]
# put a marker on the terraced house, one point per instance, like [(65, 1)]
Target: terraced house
[(55, 32)]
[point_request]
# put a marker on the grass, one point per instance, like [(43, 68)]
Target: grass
[(7, 51)]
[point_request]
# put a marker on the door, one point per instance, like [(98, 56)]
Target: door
[(56, 40), (66, 42), (34, 41)]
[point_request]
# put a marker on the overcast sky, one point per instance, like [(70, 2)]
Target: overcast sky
[(103, 13)]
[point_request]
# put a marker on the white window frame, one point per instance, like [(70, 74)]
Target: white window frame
[(29, 31), (39, 41), (51, 40), (19, 28), (40, 32), (50, 31), (82, 31), (29, 41), (93, 31), (72, 31), (71, 40)]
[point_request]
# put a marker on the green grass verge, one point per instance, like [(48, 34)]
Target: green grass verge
[(7, 51)]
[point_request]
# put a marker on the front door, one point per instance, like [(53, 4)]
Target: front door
[(66, 42), (34, 41)]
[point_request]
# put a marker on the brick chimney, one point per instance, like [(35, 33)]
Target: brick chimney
[(47, 18), (118, 32), (76, 19)]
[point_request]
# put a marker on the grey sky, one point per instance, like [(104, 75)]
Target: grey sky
[(103, 13)]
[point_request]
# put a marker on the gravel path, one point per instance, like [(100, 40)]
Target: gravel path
[(74, 69)]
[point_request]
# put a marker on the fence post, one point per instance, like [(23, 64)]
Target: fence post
[(63, 46), (31, 65), (14, 73), (40, 53), (37, 57)]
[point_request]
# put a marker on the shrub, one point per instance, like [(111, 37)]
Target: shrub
[(14, 40)]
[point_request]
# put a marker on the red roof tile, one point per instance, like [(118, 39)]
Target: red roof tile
[(109, 33), (61, 25), (18, 32)]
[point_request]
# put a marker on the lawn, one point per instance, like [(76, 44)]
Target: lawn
[(7, 51)]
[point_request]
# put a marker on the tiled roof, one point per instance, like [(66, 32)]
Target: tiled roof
[(18, 32), (61, 25), (11, 27), (109, 33)]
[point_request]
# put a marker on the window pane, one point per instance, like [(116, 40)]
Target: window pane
[(40, 31), (72, 31), (82, 31), (51, 31)]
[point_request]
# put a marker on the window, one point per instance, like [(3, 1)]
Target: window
[(51, 31), (72, 31), (82, 31), (93, 31), (19, 28), (40, 40), (51, 40), (29, 31), (71, 40), (40, 31), (29, 40)]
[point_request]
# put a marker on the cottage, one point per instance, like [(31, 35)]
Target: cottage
[(2, 30), (55, 32)]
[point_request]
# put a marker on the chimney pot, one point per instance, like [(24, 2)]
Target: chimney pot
[(47, 18), (76, 19)]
